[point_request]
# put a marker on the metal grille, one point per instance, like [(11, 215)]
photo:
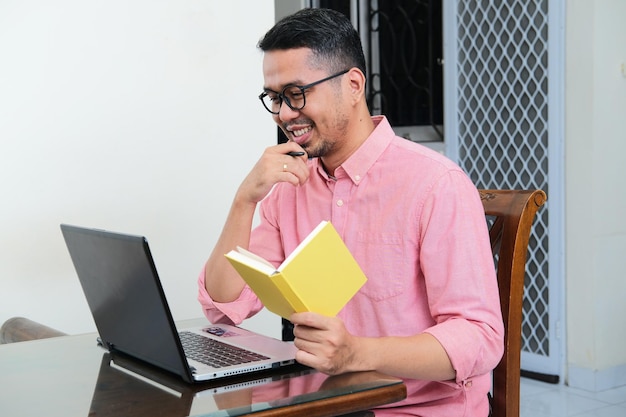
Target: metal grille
[(502, 111), (407, 74), (402, 41)]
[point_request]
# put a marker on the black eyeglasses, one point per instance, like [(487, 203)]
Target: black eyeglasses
[(292, 95)]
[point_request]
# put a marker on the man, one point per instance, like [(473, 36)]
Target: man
[(429, 311)]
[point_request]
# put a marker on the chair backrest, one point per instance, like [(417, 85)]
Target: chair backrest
[(512, 213)]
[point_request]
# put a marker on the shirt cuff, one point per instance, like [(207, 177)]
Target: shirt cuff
[(233, 312), (473, 349)]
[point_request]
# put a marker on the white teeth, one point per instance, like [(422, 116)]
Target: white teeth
[(301, 132)]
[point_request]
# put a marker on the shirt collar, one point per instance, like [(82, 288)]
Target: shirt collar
[(359, 163)]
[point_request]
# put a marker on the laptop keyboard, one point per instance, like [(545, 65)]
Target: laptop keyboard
[(214, 353)]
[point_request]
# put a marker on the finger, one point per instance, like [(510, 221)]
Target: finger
[(314, 353), (305, 358), (307, 334), (321, 364), (294, 171), (308, 319), (286, 175)]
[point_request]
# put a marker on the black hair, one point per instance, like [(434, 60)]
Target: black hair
[(328, 33)]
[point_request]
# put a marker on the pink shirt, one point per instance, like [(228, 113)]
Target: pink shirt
[(415, 223)]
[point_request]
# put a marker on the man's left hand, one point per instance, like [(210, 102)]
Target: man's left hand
[(324, 343)]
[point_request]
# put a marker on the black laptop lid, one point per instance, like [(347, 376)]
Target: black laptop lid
[(123, 291)]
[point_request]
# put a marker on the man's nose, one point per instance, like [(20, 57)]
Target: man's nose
[(286, 113)]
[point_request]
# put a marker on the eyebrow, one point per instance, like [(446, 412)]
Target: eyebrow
[(295, 83)]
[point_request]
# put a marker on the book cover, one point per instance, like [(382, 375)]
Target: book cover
[(320, 275)]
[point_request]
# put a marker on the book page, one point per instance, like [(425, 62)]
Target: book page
[(255, 261), (302, 244)]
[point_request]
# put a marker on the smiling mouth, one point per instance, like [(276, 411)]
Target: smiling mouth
[(300, 132)]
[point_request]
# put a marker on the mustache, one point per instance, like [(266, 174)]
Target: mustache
[(297, 122)]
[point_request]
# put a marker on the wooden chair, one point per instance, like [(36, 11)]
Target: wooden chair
[(512, 213), (20, 329)]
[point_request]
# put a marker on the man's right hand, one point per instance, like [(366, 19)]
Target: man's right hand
[(274, 166), (222, 282)]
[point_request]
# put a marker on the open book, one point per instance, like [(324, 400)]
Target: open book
[(320, 275)]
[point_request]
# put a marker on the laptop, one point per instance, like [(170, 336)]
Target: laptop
[(132, 316)]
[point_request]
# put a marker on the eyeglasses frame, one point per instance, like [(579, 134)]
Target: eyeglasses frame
[(302, 88)]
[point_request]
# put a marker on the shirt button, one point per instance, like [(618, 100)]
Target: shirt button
[(357, 178), (339, 203)]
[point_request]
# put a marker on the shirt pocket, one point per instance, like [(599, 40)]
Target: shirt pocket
[(384, 261)]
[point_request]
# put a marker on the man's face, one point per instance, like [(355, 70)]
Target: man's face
[(323, 121)]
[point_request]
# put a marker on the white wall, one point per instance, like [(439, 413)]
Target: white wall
[(596, 196), (136, 116)]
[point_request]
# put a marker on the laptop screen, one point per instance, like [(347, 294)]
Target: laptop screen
[(121, 285)]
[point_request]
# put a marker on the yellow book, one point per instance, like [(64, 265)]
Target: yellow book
[(320, 275)]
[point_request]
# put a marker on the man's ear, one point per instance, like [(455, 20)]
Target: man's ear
[(356, 83)]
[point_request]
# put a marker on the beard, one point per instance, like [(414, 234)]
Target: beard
[(322, 148)]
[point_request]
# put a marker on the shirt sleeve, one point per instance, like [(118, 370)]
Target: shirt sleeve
[(462, 288), (265, 241), (234, 312)]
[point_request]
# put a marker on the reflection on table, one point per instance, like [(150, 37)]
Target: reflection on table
[(70, 375)]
